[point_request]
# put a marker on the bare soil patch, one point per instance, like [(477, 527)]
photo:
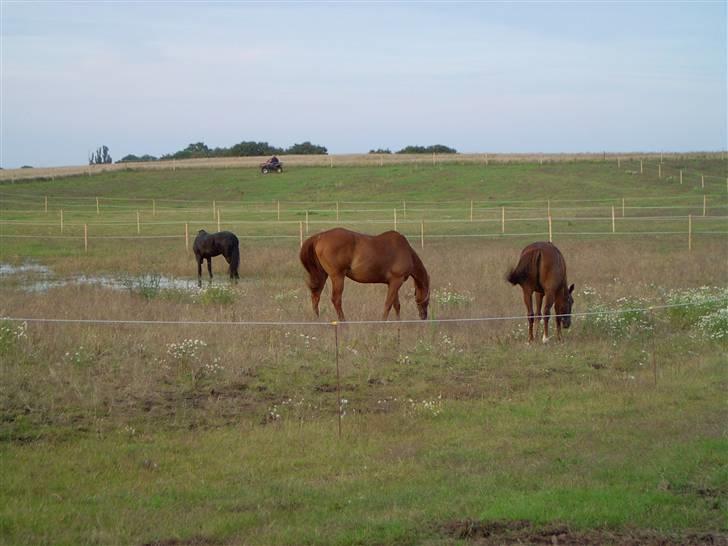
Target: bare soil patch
[(525, 532)]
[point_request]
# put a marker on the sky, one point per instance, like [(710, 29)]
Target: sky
[(150, 78)]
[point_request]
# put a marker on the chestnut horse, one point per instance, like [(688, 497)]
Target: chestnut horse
[(386, 258), (208, 245), (542, 269)]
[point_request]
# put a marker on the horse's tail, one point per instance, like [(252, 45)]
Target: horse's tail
[(316, 274), (518, 274), (235, 259)]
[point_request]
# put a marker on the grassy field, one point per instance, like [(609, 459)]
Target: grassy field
[(452, 433)]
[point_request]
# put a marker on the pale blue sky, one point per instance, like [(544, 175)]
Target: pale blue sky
[(481, 77)]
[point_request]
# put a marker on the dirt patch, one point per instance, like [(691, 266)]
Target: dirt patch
[(525, 532), (193, 541)]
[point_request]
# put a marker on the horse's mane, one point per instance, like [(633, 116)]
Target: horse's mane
[(420, 275)]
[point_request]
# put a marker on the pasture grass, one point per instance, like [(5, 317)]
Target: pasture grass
[(124, 434)]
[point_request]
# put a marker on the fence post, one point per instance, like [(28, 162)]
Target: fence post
[(300, 232), (306, 222), (622, 207), (680, 176), (61, 220), (702, 181), (85, 238), (551, 238), (218, 219), (641, 167), (404, 209), (613, 227), (471, 210), (97, 205), (659, 170), (335, 324), (619, 164), (187, 237), (395, 219), (690, 232), (705, 203), (422, 234), (46, 204), (503, 219)]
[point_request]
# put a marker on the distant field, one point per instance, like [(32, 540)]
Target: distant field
[(452, 433)]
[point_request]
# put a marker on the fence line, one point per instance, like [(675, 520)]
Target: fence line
[(351, 322)]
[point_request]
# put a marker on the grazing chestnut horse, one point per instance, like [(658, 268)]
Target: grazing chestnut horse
[(387, 258), (208, 245), (542, 270)]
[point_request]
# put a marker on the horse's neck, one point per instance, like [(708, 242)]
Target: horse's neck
[(419, 273)]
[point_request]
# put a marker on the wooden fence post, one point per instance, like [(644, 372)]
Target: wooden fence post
[(404, 209), (705, 202), (218, 219), (154, 207), (306, 222), (551, 238), (690, 232), (641, 167), (680, 176), (46, 204), (702, 181), (97, 205), (613, 226), (85, 238), (61, 220), (300, 232), (471, 210), (659, 170)]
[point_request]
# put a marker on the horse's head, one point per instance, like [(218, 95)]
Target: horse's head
[(563, 304)]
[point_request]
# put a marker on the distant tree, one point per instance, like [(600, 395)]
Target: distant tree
[(100, 157), (381, 151), (133, 158), (250, 148), (26, 167), (306, 148), (436, 148)]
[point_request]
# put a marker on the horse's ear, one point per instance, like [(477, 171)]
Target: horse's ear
[(571, 289)]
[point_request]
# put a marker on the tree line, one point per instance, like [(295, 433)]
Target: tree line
[(197, 150)]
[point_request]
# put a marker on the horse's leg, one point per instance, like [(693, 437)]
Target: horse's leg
[(548, 302), (392, 296), (396, 304), (209, 266), (337, 288), (539, 309), (316, 295), (199, 270), (528, 300)]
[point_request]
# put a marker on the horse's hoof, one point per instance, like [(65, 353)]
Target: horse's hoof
[(545, 339)]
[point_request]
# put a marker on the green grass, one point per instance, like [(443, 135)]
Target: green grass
[(121, 434)]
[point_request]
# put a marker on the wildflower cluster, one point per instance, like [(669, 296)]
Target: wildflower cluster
[(447, 296), (305, 339), (286, 295), (288, 407), (79, 357), (714, 325), (695, 303), (432, 407), (404, 360), (213, 367), (11, 334), (189, 349), (626, 319)]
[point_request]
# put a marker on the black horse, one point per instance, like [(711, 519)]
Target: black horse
[(208, 245)]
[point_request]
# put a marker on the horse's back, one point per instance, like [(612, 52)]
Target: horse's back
[(551, 264)]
